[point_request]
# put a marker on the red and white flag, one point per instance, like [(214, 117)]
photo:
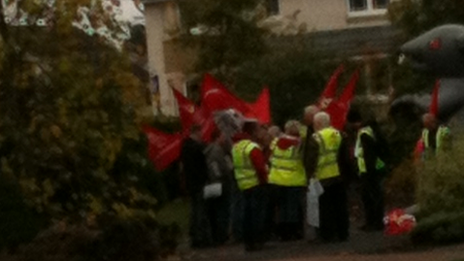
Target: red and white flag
[(163, 148)]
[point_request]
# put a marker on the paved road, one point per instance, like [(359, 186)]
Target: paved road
[(362, 246)]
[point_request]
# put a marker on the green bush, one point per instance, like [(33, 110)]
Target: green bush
[(400, 187), (441, 181), (440, 228), (19, 223), (440, 195), (128, 240)]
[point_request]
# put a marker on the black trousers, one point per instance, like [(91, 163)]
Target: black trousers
[(219, 217), (373, 198), (290, 209), (333, 212), (200, 232), (254, 218)]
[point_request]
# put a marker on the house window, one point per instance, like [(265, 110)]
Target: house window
[(358, 5), (273, 7), (367, 7)]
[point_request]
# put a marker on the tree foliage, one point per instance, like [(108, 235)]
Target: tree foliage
[(440, 197), (415, 17), (229, 34), (69, 104)]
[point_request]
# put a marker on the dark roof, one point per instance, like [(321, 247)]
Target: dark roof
[(349, 42)]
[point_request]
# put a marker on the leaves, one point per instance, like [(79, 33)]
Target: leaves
[(441, 185), (229, 39), (68, 104)]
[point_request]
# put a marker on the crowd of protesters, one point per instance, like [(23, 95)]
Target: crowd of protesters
[(253, 188)]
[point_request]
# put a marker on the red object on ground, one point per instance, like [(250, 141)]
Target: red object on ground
[(397, 222)]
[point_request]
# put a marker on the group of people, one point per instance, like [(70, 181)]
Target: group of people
[(254, 187)]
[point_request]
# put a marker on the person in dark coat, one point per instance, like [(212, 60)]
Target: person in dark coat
[(195, 172), (371, 152)]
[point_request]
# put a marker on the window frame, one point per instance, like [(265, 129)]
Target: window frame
[(370, 11)]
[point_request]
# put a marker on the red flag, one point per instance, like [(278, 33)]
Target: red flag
[(261, 107), (215, 96), (210, 83), (348, 92), (191, 114), (434, 102), (187, 109), (331, 87), (163, 148), (338, 109), (337, 113)]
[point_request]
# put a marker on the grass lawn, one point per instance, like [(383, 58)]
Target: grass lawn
[(177, 211)]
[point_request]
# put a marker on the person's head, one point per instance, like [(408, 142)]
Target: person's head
[(429, 120), (274, 131), (321, 121), (309, 113), (354, 119), (251, 128), (264, 137), (195, 132), (292, 128)]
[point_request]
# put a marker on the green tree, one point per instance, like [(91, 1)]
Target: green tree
[(227, 34), (68, 105), (415, 17)]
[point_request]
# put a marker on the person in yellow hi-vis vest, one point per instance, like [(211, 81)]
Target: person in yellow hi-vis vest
[(371, 152), (250, 173), (434, 138), (325, 166), (288, 177)]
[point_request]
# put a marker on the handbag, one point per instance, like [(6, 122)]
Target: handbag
[(315, 189), (213, 190)]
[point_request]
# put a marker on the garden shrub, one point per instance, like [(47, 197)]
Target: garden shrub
[(440, 195), (118, 240)]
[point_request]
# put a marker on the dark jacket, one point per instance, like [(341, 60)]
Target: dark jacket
[(194, 165)]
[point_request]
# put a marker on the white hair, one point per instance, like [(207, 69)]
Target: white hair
[(311, 109), (274, 130), (322, 119), (292, 124)]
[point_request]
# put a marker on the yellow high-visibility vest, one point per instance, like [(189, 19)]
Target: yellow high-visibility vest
[(442, 132), (273, 143), (245, 173), (359, 153), (329, 140), (287, 167)]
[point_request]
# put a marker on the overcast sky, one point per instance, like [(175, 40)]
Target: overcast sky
[(129, 10)]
